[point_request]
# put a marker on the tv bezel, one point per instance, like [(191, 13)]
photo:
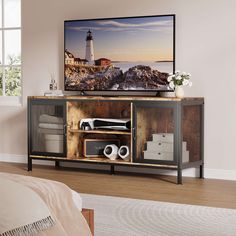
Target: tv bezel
[(83, 92)]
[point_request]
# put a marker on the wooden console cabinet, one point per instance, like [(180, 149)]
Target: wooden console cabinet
[(166, 133)]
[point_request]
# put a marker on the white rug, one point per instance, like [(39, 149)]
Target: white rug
[(130, 217)]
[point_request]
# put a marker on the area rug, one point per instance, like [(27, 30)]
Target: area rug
[(116, 216)]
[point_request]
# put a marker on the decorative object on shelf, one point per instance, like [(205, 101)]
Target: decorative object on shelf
[(111, 151), (179, 91), (95, 147), (123, 152), (53, 84), (53, 91), (177, 81)]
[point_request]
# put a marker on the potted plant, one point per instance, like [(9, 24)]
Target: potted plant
[(177, 81)]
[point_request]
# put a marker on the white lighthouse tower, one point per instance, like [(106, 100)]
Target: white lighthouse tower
[(89, 54)]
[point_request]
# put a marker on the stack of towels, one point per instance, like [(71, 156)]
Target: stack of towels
[(50, 125)]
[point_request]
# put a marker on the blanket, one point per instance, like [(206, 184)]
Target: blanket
[(69, 221), (22, 211)]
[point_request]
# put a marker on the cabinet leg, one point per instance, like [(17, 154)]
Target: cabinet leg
[(29, 164), (201, 170), (112, 170), (57, 164), (179, 176)]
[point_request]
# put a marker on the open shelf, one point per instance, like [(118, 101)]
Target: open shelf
[(101, 159), (100, 131)]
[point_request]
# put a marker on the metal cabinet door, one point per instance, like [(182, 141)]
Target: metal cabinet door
[(47, 127)]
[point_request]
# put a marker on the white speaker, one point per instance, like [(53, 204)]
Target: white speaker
[(111, 151), (124, 152)]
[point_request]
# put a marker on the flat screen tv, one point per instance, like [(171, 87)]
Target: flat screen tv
[(119, 54)]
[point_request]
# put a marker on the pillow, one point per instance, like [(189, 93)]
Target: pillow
[(22, 211)]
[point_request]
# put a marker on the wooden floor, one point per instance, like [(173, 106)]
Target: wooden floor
[(207, 192)]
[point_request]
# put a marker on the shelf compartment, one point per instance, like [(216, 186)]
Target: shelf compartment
[(101, 159), (77, 110), (150, 122), (100, 131)]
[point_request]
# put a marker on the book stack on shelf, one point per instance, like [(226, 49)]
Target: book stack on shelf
[(162, 148)]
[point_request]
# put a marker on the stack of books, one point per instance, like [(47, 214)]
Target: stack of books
[(53, 93)]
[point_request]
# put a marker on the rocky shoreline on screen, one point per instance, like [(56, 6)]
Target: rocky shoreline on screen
[(139, 77)]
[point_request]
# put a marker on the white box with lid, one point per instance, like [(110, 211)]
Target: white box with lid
[(163, 146), (165, 156), (163, 137), (54, 143)]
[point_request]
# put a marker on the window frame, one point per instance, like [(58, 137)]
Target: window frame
[(4, 99)]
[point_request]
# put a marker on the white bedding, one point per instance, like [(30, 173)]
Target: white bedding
[(64, 205), (77, 200), (26, 214)]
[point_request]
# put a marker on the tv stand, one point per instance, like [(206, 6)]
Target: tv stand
[(166, 133)]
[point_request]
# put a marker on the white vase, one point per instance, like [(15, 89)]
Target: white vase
[(179, 91)]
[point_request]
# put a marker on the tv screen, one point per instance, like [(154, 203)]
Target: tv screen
[(123, 54)]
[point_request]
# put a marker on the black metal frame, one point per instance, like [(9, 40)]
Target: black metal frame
[(153, 104), (32, 102), (176, 164), (177, 107)]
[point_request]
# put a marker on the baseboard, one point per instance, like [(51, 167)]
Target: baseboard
[(14, 158), (220, 174), (193, 172)]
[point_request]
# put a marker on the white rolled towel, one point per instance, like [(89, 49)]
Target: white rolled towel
[(45, 118), (50, 126), (50, 131)]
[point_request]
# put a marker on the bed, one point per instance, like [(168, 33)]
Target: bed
[(63, 204)]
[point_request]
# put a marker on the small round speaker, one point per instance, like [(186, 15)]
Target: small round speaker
[(123, 152), (108, 150), (111, 151)]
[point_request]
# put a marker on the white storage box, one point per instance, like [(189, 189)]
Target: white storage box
[(165, 156), (185, 156), (159, 146), (163, 137), (163, 146), (54, 143)]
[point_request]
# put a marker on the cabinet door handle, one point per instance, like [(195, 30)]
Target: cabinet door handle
[(64, 130), (134, 134)]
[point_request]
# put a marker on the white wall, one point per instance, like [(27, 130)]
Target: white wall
[(205, 47)]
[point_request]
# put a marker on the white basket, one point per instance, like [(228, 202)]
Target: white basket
[(54, 143)]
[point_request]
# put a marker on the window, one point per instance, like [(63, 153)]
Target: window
[(10, 48)]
